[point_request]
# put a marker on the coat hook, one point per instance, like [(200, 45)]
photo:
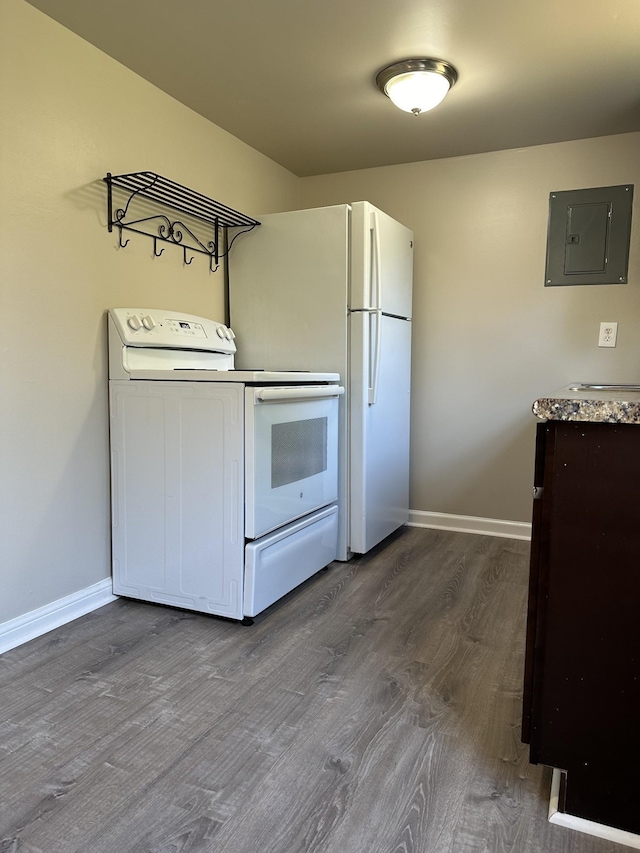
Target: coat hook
[(155, 248), (120, 243), (211, 266), (187, 262)]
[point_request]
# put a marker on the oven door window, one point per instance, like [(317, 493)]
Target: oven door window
[(298, 450), (291, 455)]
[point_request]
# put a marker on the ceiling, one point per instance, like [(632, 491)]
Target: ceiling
[(295, 78)]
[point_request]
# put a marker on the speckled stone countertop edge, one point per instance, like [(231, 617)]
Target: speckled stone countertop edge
[(578, 408)]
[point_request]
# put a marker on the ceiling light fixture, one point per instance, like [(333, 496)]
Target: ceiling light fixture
[(417, 85)]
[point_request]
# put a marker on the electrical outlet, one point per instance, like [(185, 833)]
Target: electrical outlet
[(608, 334)]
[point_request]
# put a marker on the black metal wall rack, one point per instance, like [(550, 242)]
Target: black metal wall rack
[(169, 229)]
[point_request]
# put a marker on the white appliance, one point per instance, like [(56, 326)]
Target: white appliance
[(331, 289), (224, 481)]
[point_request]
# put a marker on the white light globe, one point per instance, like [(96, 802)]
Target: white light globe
[(417, 91)]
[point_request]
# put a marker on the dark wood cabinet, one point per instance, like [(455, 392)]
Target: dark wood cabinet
[(581, 709)]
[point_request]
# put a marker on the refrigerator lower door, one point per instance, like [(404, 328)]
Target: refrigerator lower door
[(379, 432)]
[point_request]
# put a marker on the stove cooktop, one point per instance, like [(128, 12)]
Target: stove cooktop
[(249, 377)]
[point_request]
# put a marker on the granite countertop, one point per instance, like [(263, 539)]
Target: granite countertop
[(613, 404)]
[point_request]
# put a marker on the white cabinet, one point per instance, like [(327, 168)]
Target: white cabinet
[(177, 460)]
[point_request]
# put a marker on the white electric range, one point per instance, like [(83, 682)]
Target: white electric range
[(224, 481)]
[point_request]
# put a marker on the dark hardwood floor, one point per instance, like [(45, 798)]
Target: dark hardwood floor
[(374, 710)]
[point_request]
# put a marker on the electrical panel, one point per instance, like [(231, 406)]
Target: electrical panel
[(588, 236)]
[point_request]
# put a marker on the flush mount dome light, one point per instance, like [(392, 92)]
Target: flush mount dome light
[(417, 85)]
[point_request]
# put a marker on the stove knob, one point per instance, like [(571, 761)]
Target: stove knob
[(134, 323), (232, 334), (148, 322), (220, 331), (227, 333)]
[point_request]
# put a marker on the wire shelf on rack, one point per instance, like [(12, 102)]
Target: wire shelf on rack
[(169, 194)]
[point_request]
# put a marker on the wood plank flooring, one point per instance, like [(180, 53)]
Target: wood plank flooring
[(374, 710)]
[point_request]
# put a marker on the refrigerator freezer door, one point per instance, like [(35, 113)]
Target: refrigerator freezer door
[(381, 262), (379, 442)]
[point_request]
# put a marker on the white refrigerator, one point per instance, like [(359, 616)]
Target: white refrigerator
[(330, 289)]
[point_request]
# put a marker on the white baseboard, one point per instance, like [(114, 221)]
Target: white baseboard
[(30, 625), (580, 824), (470, 524)]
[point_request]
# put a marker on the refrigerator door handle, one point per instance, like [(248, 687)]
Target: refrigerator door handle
[(375, 312), (376, 264), (374, 354)]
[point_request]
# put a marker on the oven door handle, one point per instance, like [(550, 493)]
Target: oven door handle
[(271, 395)]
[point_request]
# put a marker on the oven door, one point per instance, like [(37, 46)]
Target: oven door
[(291, 453)]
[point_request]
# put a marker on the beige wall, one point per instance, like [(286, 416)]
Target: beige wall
[(69, 114), (488, 336)]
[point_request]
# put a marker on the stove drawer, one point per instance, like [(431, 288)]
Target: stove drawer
[(280, 561)]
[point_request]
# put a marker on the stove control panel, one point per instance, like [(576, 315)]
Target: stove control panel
[(152, 327)]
